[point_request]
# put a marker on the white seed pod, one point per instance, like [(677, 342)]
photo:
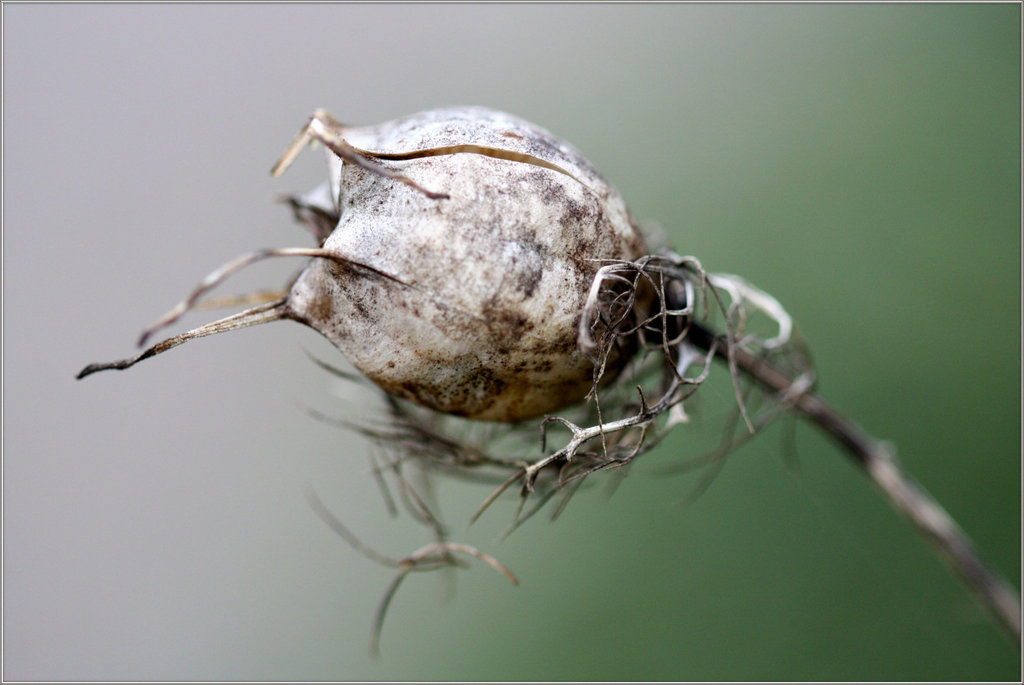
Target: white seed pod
[(458, 247)]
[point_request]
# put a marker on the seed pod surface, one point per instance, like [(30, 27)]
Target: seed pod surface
[(468, 304)]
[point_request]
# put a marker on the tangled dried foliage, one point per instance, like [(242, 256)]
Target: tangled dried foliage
[(665, 313)]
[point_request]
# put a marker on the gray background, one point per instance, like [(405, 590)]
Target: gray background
[(859, 162)]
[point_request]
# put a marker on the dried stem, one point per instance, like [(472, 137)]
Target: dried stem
[(879, 462)]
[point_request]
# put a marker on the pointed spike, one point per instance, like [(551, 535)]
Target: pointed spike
[(250, 317)]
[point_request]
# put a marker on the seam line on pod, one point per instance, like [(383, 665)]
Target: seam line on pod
[(496, 153)]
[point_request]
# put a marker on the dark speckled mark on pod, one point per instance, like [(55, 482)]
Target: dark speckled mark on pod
[(528, 279), (577, 212), (550, 193), (530, 266), (321, 307)]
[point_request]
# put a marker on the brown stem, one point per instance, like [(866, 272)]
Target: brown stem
[(879, 462)]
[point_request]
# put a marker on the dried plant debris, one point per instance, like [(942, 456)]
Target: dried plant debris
[(492, 284), (618, 421), (673, 345), (521, 328)]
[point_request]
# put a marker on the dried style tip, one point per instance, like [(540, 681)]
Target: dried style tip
[(251, 317), (324, 128), (271, 311)]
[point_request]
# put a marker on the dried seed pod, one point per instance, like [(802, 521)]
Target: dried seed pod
[(457, 250)]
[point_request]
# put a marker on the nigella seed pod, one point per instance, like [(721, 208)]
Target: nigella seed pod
[(457, 250), (474, 264)]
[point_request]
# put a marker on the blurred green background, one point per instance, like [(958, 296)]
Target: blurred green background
[(859, 162)]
